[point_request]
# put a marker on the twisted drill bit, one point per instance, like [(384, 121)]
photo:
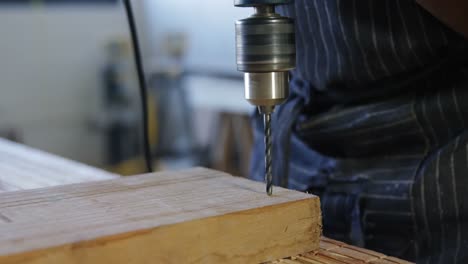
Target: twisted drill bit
[(268, 158)]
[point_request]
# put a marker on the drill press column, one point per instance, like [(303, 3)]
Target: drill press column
[(266, 51)]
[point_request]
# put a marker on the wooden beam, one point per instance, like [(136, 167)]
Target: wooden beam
[(336, 252), (193, 216)]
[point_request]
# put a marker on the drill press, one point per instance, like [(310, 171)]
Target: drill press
[(265, 51)]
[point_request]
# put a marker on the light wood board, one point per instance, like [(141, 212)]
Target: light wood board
[(23, 167), (336, 252), (195, 216)]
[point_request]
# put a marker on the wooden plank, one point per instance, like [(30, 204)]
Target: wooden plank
[(195, 216), (336, 252), (45, 169), (23, 167)]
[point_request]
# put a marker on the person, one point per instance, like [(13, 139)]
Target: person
[(376, 124)]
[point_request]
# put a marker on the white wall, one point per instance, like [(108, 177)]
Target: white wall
[(50, 59)]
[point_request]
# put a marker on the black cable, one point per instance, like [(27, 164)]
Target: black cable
[(142, 84)]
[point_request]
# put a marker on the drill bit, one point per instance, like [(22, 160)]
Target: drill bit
[(268, 158)]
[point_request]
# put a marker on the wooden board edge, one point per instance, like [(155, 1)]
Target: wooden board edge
[(184, 242)]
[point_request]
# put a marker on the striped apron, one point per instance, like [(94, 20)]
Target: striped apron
[(376, 125)]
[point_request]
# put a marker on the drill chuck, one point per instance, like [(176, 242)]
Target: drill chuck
[(265, 49), (266, 88)]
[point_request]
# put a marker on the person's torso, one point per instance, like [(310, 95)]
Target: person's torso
[(379, 88), (344, 46)]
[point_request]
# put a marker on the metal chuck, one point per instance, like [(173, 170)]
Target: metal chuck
[(265, 52)]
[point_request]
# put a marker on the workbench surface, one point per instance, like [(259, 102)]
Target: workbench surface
[(22, 167)]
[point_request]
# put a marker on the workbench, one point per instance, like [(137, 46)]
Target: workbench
[(22, 168)]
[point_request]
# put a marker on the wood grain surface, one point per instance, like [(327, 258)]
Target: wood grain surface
[(336, 252), (43, 169), (193, 216), (23, 167)]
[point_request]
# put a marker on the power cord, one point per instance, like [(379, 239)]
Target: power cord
[(142, 84)]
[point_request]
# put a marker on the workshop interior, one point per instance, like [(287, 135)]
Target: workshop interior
[(70, 84), (147, 115)]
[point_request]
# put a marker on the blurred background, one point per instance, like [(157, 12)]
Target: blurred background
[(68, 83)]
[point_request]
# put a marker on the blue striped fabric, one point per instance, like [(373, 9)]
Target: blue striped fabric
[(376, 125)]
